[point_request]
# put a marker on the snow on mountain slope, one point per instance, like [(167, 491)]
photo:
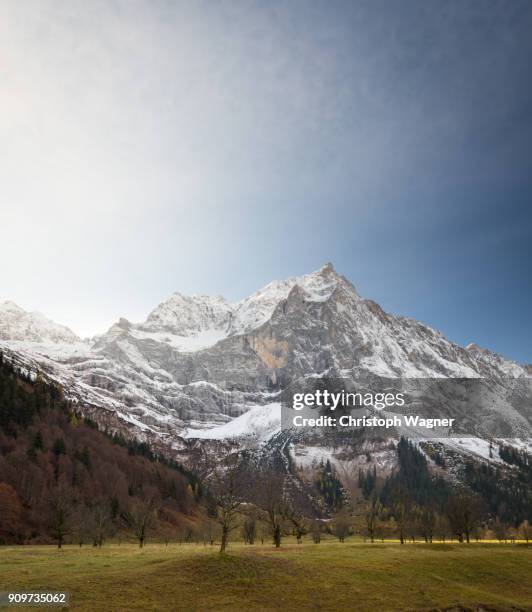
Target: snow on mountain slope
[(261, 422), (186, 316), (20, 325), (56, 351), (196, 341), (477, 447), (508, 368), (255, 310), (211, 319), (201, 362)]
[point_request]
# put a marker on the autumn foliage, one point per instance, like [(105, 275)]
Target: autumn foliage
[(63, 480)]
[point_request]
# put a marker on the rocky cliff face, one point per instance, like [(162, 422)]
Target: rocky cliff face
[(200, 362)]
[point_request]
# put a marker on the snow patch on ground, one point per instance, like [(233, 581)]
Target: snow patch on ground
[(346, 460), (60, 351), (480, 448), (518, 443), (261, 422), (311, 456), (188, 344), (477, 447)]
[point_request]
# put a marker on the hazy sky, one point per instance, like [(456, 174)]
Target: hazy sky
[(210, 147)]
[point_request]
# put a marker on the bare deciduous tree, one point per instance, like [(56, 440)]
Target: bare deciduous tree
[(400, 513), (372, 516), (60, 506), (81, 525), (269, 496), (100, 521), (315, 530), (500, 530), (141, 518), (341, 525), (428, 523), (442, 527), (526, 531), (249, 530), (463, 515), (225, 488)]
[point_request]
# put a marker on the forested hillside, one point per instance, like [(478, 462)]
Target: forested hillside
[(63, 480), (484, 501)]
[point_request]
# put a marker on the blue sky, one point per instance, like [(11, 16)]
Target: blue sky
[(211, 147)]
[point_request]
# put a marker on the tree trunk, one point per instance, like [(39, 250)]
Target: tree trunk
[(223, 544), (277, 536)]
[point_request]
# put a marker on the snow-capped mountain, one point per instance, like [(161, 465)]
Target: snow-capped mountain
[(201, 362), (188, 316), (16, 324)]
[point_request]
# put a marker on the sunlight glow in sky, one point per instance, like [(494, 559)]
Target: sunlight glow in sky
[(153, 146)]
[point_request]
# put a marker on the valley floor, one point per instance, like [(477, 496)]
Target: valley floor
[(329, 576)]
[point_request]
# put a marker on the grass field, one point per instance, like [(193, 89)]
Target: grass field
[(327, 576)]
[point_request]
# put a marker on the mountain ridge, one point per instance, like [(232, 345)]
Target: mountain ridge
[(198, 362), (19, 324)]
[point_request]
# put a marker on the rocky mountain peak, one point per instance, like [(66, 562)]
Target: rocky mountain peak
[(201, 359), (17, 324), (326, 269), (187, 315), (9, 306)]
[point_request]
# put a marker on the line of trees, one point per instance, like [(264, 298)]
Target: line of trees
[(410, 504)]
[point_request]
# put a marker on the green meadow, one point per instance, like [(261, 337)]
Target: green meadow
[(327, 576)]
